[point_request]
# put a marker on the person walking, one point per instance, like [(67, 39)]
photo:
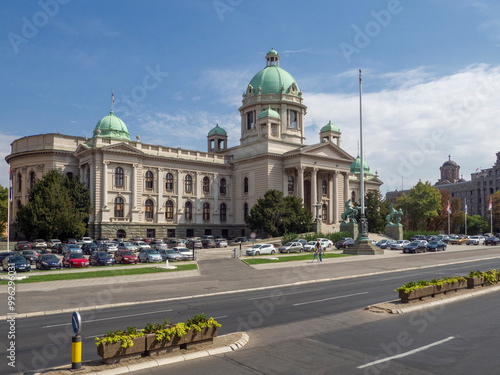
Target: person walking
[(317, 255), (320, 252)]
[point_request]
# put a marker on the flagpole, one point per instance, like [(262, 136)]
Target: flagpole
[(8, 209), (112, 99), (465, 216), (449, 223)]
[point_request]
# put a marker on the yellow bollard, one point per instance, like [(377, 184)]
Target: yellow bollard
[(76, 352)]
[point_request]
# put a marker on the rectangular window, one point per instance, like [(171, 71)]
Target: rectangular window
[(189, 233), (250, 124), (150, 233), (171, 233)]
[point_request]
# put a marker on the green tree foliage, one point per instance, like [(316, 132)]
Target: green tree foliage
[(440, 222), (495, 200), (477, 225), (57, 207), (376, 210), (421, 205), (277, 215), (4, 200)]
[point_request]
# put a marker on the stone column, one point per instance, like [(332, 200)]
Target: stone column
[(335, 198), (285, 183), (134, 210), (300, 183), (216, 192), (346, 187), (159, 203), (92, 193), (314, 189)]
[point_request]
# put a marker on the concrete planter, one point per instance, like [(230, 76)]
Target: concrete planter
[(451, 287), (426, 291), (191, 337), (113, 352)]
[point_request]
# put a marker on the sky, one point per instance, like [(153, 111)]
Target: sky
[(431, 73)]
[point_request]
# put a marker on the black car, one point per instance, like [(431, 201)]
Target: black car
[(344, 243), (436, 246), (491, 241), (47, 262), (22, 245), (30, 255), (418, 237), (415, 247), (19, 262), (5, 254), (89, 248), (101, 258)]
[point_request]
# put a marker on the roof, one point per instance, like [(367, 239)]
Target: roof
[(111, 126), (330, 127), (269, 113), (356, 166), (217, 131)]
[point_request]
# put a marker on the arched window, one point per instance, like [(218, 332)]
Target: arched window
[(88, 178), (293, 119), (149, 209), (19, 205), (223, 186), (120, 233), (188, 211), (188, 184), (19, 182), (324, 215), (245, 185), (290, 184), (245, 210), (32, 180), (149, 178), (169, 185), (353, 196), (118, 176), (324, 187), (206, 184), (118, 207), (206, 211), (169, 210), (223, 212)]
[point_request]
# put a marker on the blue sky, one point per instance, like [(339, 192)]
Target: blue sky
[(430, 73)]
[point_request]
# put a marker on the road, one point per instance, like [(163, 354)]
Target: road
[(287, 325)]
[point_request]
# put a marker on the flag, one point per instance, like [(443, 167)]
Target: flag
[(490, 205), (448, 208), (112, 96), (477, 169), (466, 208), (10, 185)]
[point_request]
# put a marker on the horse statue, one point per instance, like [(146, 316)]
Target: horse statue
[(394, 217), (350, 213)]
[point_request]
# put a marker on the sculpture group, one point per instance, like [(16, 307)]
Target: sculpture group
[(394, 217), (350, 213)]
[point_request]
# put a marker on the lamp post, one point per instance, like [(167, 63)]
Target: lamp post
[(363, 224)]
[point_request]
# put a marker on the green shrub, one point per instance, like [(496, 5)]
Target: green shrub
[(287, 237), (407, 234)]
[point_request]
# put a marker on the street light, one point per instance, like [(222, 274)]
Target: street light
[(363, 224)]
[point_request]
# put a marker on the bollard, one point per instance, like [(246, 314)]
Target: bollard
[(235, 253), (76, 352)]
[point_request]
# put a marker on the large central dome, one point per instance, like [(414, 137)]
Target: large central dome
[(113, 127), (272, 78)]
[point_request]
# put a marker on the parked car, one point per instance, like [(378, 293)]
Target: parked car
[(19, 262), (149, 255), (240, 239), (101, 258), (221, 242), (72, 240), (110, 247), (291, 247), (129, 246), (194, 244), (170, 254), (186, 254), (491, 241), (5, 254), (73, 260), (301, 240), (47, 262), (89, 248), (142, 245), (40, 243), (381, 242), (415, 247), (174, 242), (156, 244), (475, 240), (86, 240), (53, 243), (418, 237), (71, 248), (125, 257), (22, 245), (457, 240), (435, 246), (398, 245), (309, 246), (387, 244), (30, 255), (344, 243), (325, 242), (208, 243), (258, 249)]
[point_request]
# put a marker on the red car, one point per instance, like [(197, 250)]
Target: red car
[(125, 257), (73, 260)]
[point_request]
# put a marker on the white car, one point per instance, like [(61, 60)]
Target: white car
[(398, 245), (86, 240), (142, 245), (185, 252), (325, 242), (261, 249), (39, 243), (475, 240), (53, 243), (310, 246), (220, 242)]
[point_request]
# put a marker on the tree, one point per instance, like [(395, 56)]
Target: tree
[(4, 201), (58, 207), (277, 215), (440, 222), (421, 205), (477, 225), (376, 210), (495, 201)]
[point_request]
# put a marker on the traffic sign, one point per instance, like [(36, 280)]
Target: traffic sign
[(253, 235), (76, 322)]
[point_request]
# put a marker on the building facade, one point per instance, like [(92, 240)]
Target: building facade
[(143, 190)]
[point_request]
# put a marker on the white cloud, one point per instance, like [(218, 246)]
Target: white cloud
[(7, 139)]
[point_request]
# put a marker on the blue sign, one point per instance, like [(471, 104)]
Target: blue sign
[(76, 322)]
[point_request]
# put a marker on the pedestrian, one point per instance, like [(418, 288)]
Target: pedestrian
[(317, 254), (320, 252)]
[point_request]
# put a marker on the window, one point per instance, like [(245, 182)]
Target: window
[(171, 233), (290, 184), (149, 180), (169, 210), (118, 207), (88, 178), (188, 184), (69, 175), (353, 196), (169, 185), (206, 185), (32, 180), (293, 119), (149, 209), (324, 187), (223, 186), (249, 120), (324, 215), (206, 211), (188, 211), (120, 233), (245, 185), (222, 213), (118, 176), (245, 210), (19, 182)]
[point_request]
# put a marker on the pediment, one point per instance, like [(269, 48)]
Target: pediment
[(323, 150), (122, 148)]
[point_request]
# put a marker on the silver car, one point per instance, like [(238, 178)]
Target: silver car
[(128, 246), (149, 255), (185, 253), (291, 247), (264, 248), (170, 254)]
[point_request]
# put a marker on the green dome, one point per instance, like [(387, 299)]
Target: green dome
[(113, 127), (356, 166), (330, 127), (269, 112), (271, 79), (217, 131), (272, 52)]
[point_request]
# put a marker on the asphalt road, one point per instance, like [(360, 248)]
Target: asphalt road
[(286, 325)]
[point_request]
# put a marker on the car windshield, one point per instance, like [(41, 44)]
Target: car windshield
[(433, 243), (76, 256), (126, 253), (49, 257), (16, 259), (103, 254), (415, 243), (29, 252), (172, 251), (288, 244), (152, 251)]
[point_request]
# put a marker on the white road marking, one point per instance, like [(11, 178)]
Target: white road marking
[(113, 317), (220, 317), (285, 294), (422, 348), (328, 299)]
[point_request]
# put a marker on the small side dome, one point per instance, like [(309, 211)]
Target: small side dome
[(269, 113), (113, 127), (217, 131), (272, 52), (330, 127), (356, 166)]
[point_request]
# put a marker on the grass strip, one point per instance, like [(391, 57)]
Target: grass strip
[(291, 258), (93, 274)]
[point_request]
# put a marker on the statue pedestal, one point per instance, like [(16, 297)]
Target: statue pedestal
[(351, 228), (363, 247), (394, 231)]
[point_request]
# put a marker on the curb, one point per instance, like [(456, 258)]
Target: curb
[(168, 360)]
